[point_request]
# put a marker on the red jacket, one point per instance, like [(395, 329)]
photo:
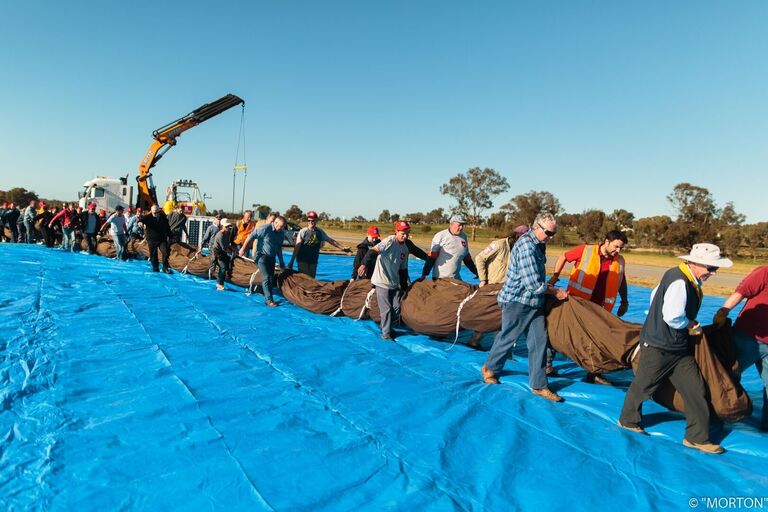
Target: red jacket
[(65, 216)]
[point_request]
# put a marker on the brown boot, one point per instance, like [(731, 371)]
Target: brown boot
[(704, 447), (488, 376), (548, 394), (637, 430)]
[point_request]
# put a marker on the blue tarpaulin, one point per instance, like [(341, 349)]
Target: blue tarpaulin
[(124, 389)]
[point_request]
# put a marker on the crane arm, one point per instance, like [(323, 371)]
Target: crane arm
[(165, 139)]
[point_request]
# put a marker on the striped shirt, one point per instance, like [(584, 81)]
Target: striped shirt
[(525, 281)]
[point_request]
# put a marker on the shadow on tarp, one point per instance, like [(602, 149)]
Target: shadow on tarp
[(124, 389)]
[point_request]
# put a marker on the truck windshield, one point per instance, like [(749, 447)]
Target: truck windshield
[(98, 192)]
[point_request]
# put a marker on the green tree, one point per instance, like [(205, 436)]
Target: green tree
[(730, 217), (294, 213), (652, 231), (473, 192), (415, 218), (756, 235), (384, 216), (19, 196), (523, 208), (436, 216), (730, 240), (620, 219), (590, 226)]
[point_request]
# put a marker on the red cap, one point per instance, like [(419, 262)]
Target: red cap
[(402, 225), (139, 210), (102, 212), (373, 231), (312, 215), (92, 205), (129, 210)]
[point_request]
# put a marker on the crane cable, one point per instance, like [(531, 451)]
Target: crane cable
[(240, 167)]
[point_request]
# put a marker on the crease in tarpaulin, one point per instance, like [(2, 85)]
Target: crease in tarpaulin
[(254, 488)]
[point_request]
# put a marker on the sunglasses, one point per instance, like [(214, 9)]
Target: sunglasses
[(710, 268), (548, 232)]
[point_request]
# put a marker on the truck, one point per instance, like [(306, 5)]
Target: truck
[(106, 193)]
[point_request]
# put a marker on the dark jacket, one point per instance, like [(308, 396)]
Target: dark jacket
[(655, 331), (362, 249), (11, 216), (178, 225), (156, 229), (81, 221)]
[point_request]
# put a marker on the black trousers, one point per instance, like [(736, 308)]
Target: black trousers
[(154, 246), (223, 261), (90, 239), (655, 367)]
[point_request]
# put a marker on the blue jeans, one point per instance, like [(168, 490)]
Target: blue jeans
[(120, 242), (266, 266), (518, 319), (28, 231), (749, 351), (67, 239)]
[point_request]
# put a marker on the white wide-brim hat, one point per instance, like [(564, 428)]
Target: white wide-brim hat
[(707, 254)]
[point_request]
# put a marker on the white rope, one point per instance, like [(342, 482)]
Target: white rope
[(341, 302), (251, 288), (367, 304), (458, 318), (190, 260), (635, 352)]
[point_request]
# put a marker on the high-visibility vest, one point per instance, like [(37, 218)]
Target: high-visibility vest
[(584, 276), (243, 231)]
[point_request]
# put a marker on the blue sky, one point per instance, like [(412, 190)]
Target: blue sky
[(353, 107)]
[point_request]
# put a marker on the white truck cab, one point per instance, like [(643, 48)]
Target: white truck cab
[(107, 193)]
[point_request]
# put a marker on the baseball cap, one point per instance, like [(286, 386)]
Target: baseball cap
[(226, 222), (458, 218), (402, 225), (312, 215), (373, 231)]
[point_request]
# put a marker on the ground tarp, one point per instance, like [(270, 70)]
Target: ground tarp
[(125, 389)]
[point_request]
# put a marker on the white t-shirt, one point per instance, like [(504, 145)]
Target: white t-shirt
[(117, 225), (393, 257), (451, 251)]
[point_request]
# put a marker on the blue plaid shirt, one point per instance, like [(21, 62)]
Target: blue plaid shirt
[(525, 281)]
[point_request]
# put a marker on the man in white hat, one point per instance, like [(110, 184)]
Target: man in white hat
[(665, 346), (751, 327), (448, 250)]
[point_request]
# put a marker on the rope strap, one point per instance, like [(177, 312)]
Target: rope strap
[(367, 304), (458, 317), (341, 303)]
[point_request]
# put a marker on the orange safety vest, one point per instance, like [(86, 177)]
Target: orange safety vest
[(243, 232), (584, 276)]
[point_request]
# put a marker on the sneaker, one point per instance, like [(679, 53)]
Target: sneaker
[(488, 376), (551, 372), (704, 447), (220, 287), (637, 430), (548, 394), (271, 303), (387, 337), (168, 271)]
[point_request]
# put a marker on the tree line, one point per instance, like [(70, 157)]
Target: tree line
[(697, 218)]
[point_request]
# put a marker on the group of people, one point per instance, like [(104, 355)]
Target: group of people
[(517, 263), (67, 226)]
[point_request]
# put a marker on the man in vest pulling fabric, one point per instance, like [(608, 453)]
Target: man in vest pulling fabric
[(665, 346), (597, 276)]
